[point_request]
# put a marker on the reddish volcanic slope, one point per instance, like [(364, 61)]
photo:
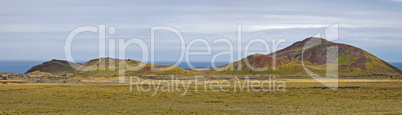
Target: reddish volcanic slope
[(318, 52)]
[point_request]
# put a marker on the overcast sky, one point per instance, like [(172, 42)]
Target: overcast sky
[(37, 30)]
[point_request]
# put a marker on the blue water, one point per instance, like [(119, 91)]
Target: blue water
[(23, 66), (397, 64), (17, 66)]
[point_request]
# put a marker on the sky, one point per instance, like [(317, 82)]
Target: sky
[(37, 30)]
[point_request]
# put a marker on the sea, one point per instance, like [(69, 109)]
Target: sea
[(23, 66)]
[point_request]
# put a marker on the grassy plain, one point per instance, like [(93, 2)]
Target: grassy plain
[(361, 96)]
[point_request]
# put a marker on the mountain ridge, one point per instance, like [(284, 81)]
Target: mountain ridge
[(312, 52)]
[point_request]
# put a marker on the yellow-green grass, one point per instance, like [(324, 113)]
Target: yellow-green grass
[(362, 96)]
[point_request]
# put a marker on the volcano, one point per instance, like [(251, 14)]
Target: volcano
[(314, 54)]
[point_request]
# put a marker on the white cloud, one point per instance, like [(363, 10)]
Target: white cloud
[(50, 22), (393, 0)]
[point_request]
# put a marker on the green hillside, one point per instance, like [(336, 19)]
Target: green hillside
[(111, 67)]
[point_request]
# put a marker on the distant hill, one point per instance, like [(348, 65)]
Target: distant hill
[(111, 67), (351, 60), (107, 67), (54, 67)]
